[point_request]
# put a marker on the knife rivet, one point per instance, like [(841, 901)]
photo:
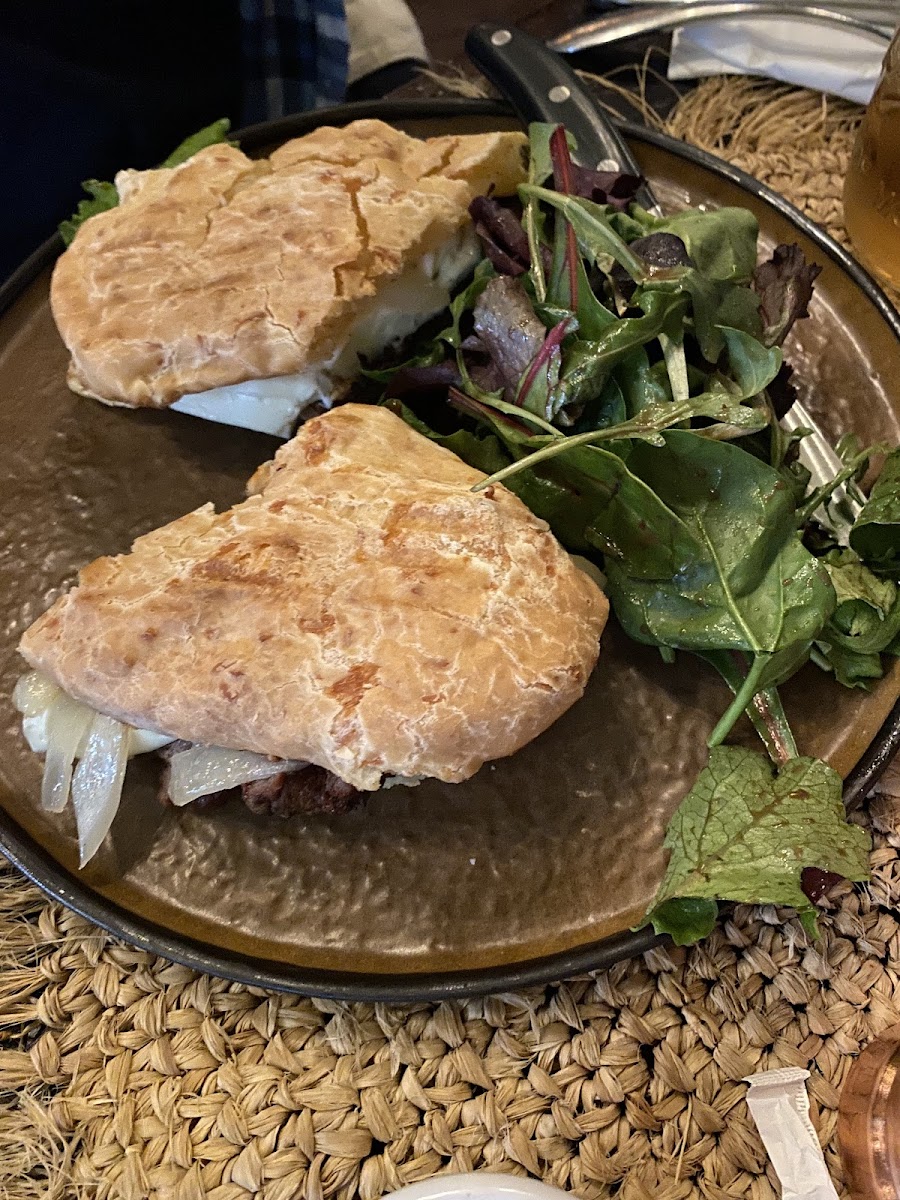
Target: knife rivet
[(558, 94), (501, 37), (607, 164)]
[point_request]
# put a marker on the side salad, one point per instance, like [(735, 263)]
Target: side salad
[(622, 373)]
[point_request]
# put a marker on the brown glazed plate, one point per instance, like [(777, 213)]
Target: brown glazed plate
[(536, 868)]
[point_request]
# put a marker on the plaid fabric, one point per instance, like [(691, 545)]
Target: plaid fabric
[(295, 56)]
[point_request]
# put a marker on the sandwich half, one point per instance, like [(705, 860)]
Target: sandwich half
[(245, 290), (362, 612)]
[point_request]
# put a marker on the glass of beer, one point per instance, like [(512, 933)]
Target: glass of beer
[(872, 188)]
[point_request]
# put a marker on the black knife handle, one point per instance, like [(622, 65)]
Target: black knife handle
[(540, 86)]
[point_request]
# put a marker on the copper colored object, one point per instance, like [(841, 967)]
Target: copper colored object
[(869, 1121), (872, 186)]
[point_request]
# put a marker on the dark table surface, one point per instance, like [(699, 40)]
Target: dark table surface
[(444, 26)]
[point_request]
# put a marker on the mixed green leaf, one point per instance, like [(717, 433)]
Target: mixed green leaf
[(622, 373), (741, 828), (103, 195)]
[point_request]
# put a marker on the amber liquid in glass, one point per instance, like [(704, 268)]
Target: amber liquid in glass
[(872, 188)]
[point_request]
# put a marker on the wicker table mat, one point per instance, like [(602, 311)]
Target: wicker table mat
[(127, 1076)]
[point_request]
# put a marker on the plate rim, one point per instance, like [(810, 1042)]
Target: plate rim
[(371, 987)]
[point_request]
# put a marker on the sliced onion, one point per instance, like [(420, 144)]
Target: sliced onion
[(590, 569), (33, 693), (97, 783), (67, 725), (206, 769), (143, 741), (408, 781)]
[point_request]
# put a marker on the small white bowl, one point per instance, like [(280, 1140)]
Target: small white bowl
[(479, 1185)]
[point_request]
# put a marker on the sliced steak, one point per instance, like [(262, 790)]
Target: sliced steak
[(288, 794), (310, 790)]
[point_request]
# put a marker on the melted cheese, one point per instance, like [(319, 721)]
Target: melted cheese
[(400, 308), (35, 694)]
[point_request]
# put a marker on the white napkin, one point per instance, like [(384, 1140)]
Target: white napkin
[(842, 61)]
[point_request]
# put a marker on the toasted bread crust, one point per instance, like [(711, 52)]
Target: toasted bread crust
[(364, 610), (226, 269)]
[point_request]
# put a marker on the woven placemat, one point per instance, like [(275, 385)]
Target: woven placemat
[(124, 1075)]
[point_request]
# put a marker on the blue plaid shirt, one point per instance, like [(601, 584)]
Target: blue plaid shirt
[(295, 56)]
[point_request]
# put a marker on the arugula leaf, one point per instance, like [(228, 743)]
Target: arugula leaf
[(875, 535), (594, 318), (744, 834), (646, 426), (540, 168), (595, 234), (104, 195), (434, 354)]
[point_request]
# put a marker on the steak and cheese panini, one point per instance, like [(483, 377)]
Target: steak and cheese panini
[(244, 290), (362, 611)]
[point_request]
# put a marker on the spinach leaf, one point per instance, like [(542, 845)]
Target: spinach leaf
[(640, 383), (714, 303), (587, 362), (875, 535), (605, 408), (752, 365), (743, 834), (740, 580), (865, 624), (721, 242)]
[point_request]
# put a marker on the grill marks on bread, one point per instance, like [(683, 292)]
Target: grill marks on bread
[(226, 269), (362, 610)]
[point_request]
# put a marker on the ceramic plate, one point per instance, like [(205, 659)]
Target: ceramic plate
[(537, 867)]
